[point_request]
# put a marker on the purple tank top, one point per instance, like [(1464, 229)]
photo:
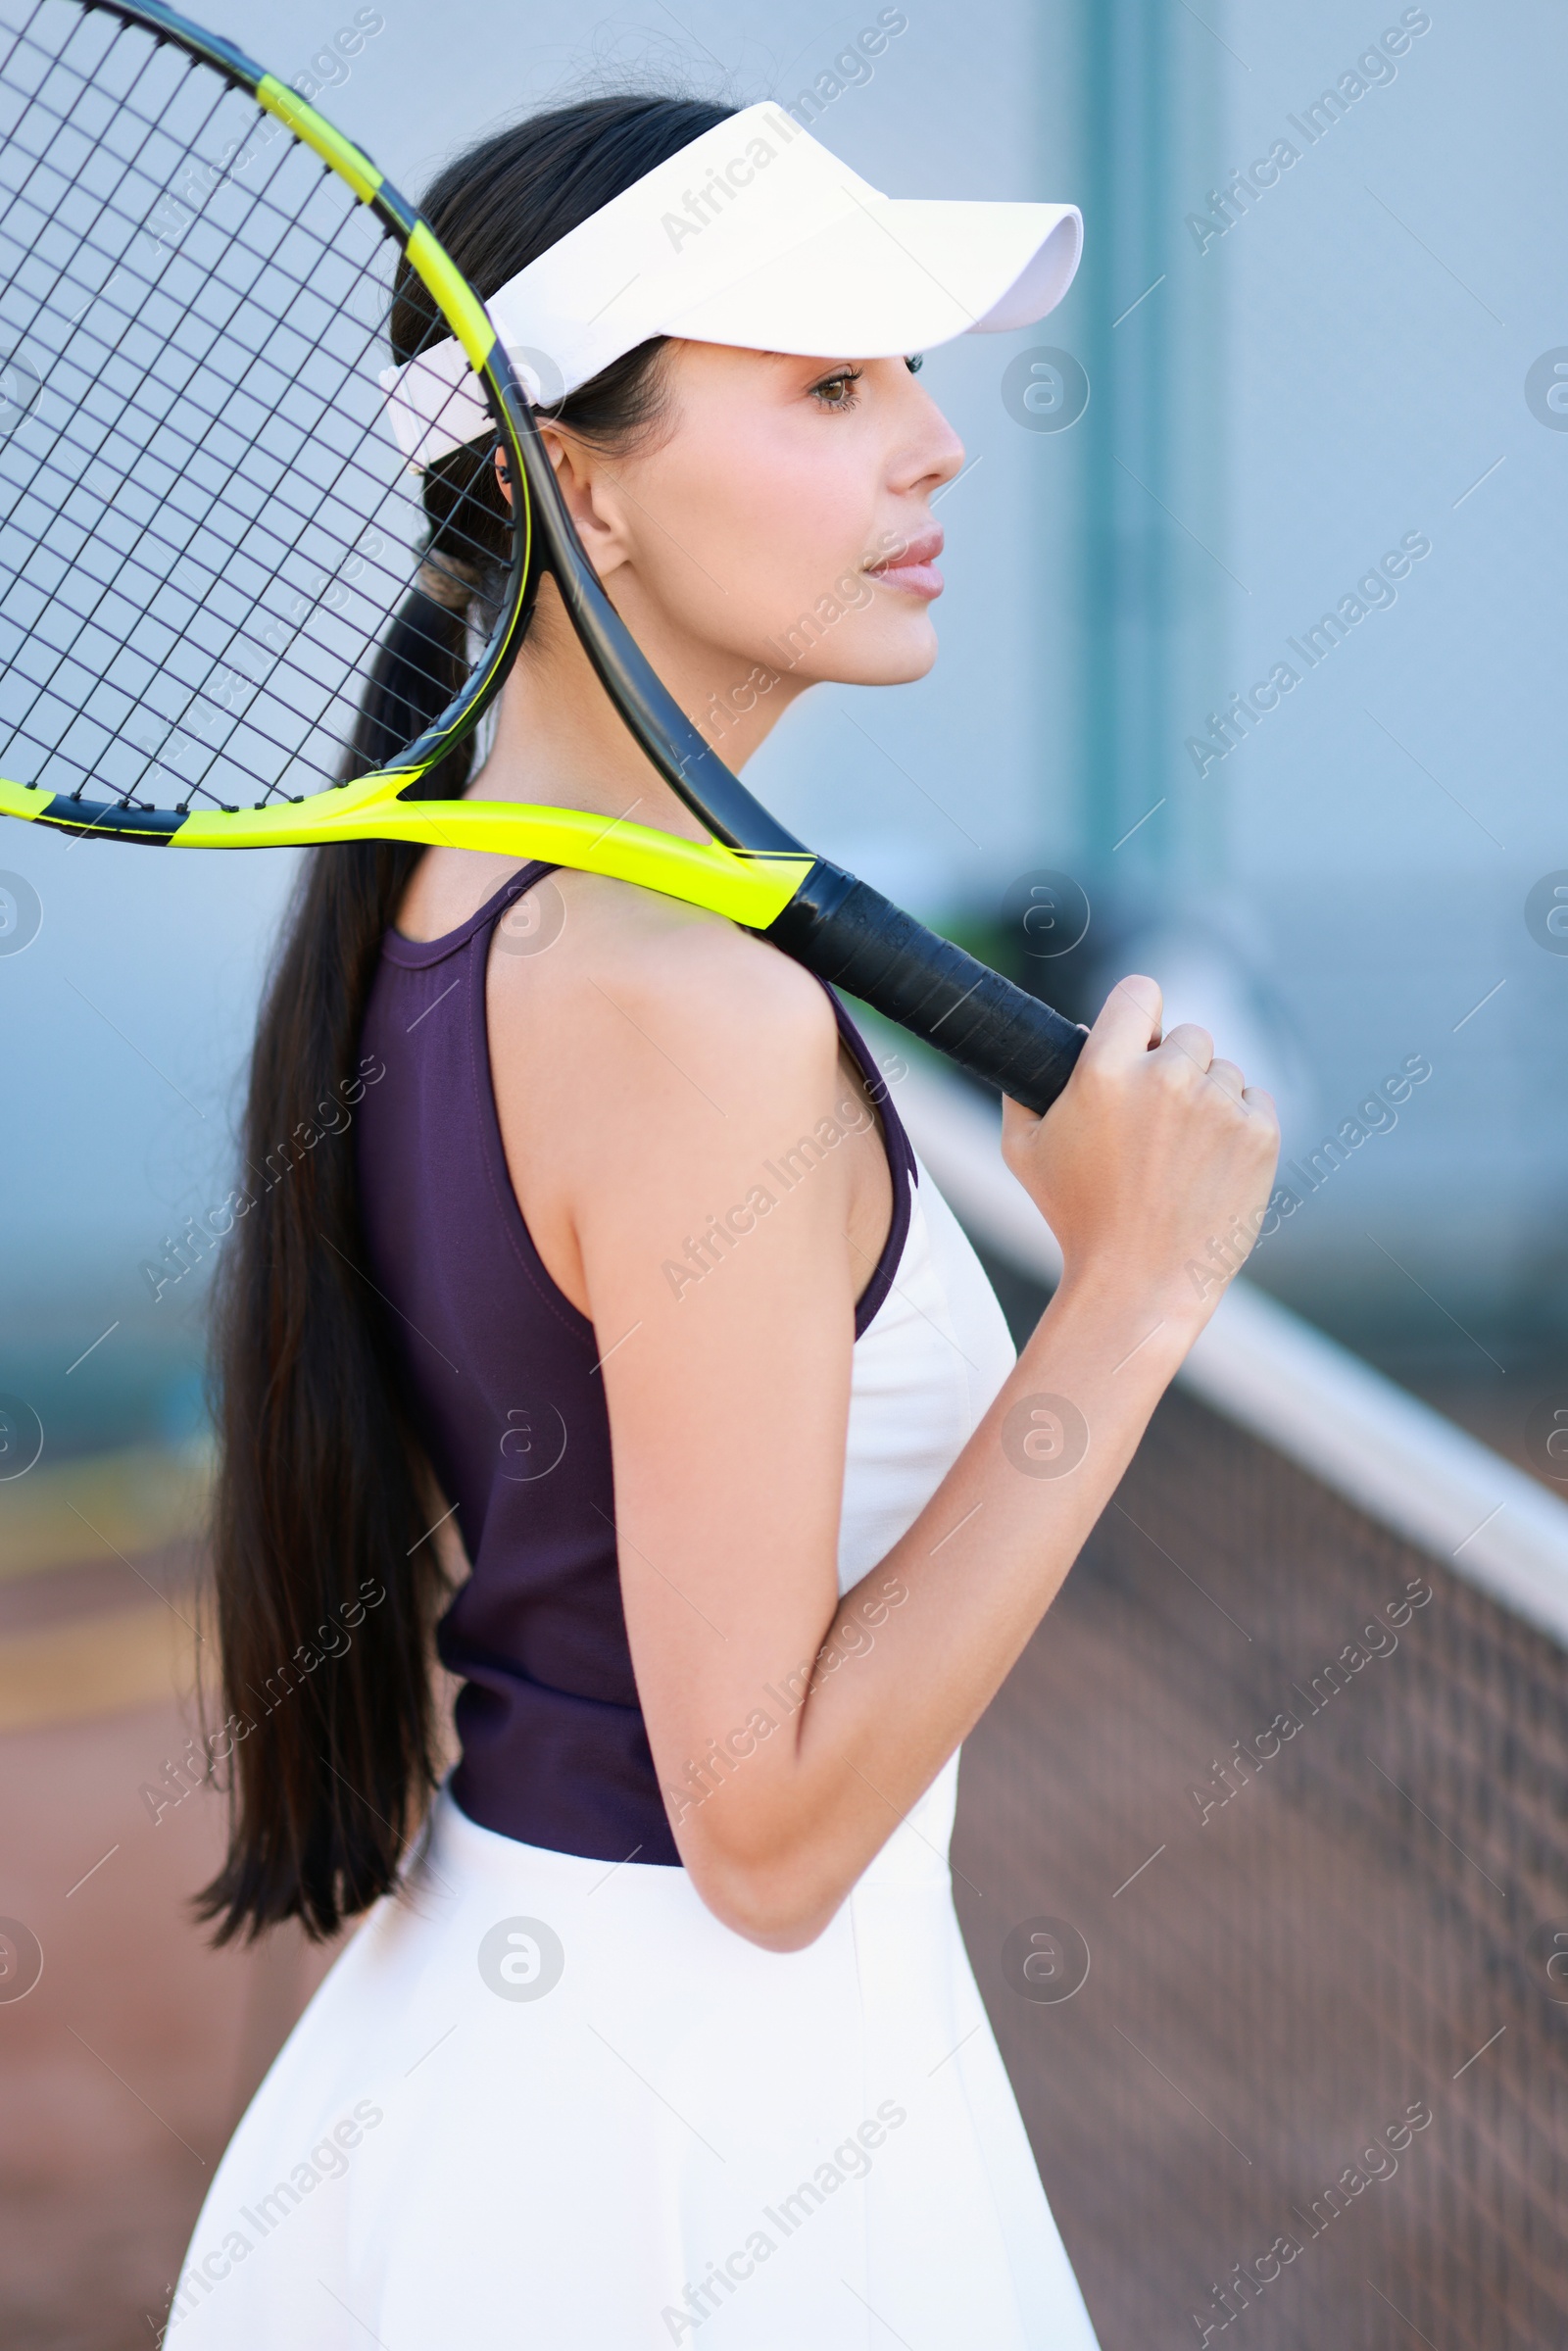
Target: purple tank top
[(500, 1372)]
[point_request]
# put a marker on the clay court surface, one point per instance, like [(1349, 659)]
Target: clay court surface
[(1270, 1988), (126, 2069)]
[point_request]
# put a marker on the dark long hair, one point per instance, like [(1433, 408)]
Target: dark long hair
[(324, 1495)]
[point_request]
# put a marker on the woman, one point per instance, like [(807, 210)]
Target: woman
[(632, 1281)]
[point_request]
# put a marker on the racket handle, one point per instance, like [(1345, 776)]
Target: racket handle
[(849, 935)]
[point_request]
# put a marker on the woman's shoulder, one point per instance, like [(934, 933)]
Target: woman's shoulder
[(626, 967), (644, 1062), (650, 1038)]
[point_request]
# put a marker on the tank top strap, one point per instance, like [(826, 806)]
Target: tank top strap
[(421, 954)]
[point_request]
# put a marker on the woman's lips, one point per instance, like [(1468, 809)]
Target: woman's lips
[(914, 567)]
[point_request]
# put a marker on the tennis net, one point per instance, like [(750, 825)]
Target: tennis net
[(1295, 1793)]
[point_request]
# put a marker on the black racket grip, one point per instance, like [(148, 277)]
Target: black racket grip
[(852, 936)]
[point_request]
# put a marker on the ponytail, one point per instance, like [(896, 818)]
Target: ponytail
[(326, 1578)]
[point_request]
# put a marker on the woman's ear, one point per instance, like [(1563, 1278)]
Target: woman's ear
[(591, 499)]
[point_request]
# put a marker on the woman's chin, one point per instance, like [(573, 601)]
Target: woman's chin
[(898, 661)]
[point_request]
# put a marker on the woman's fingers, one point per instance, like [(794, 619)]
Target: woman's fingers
[(1128, 1023), (1197, 1046), (1189, 1039), (1128, 1028)]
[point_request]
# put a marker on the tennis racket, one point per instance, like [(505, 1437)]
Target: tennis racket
[(205, 525)]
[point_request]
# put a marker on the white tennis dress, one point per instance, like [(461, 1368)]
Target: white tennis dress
[(546, 2102)]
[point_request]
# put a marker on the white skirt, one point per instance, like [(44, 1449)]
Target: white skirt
[(542, 2100)]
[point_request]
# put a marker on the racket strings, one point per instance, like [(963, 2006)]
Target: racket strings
[(116, 261), (225, 672), (41, 161), (22, 195), (158, 125), (184, 551), (266, 257), (199, 559)]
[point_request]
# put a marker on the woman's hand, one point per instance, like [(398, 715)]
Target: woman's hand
[(1153, 1166)]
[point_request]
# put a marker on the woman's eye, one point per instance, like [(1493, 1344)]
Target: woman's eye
[(838, 392)]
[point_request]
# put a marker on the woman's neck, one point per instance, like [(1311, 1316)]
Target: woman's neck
[(560, 741)]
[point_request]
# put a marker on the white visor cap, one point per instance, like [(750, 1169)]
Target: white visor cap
[(753, 235)]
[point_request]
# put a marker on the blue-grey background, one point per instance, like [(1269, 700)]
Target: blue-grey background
[(1270, 410)]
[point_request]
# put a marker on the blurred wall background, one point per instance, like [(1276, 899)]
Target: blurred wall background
[(1259, 388)]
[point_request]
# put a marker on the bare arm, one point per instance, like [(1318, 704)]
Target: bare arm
[(728, 1398)]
